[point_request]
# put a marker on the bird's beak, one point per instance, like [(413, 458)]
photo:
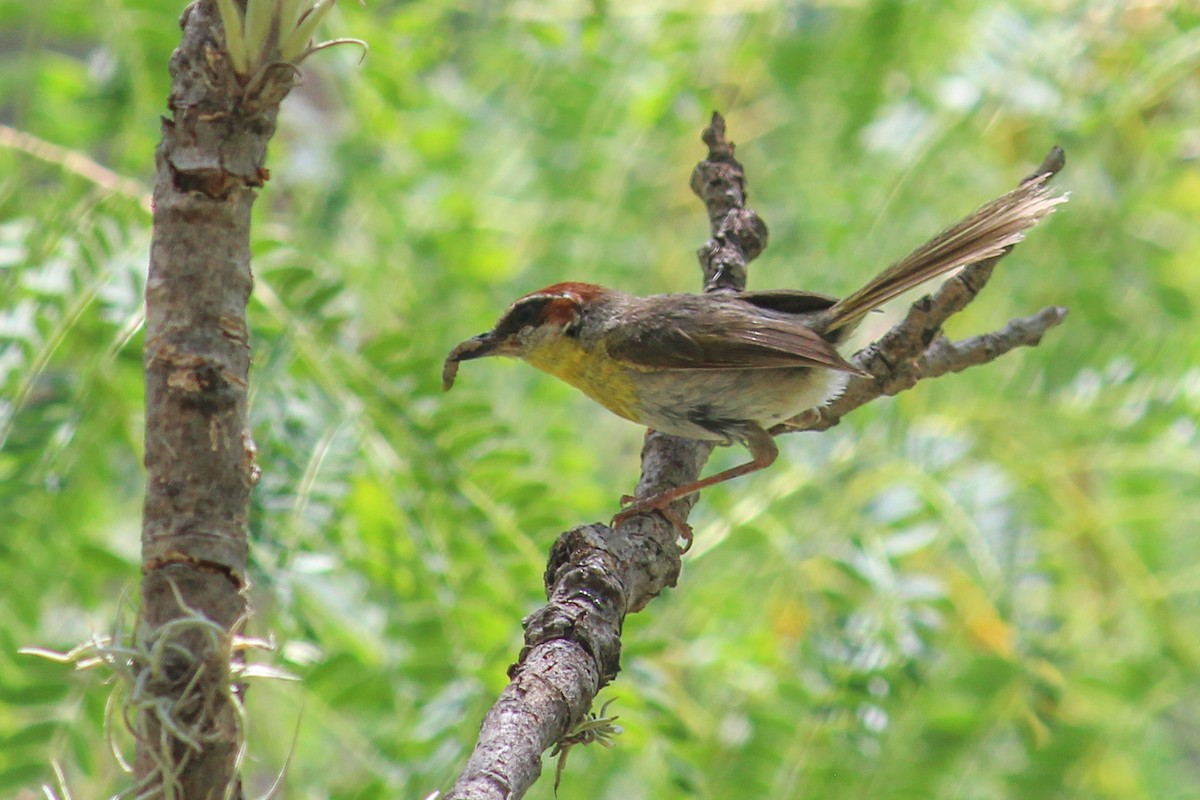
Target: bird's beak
[(481, 346)]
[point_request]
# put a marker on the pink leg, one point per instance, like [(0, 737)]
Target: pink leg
[(763, 453)]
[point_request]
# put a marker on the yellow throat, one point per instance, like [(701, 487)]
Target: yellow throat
[(595, 374)]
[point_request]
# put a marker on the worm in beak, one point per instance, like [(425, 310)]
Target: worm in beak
[(476, 347)]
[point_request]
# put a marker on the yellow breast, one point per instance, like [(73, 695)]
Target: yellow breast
[(604, 380)]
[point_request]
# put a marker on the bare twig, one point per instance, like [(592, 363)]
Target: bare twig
[(76, 163), (940, 357)]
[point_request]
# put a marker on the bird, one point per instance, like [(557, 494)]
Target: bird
[(726, 366)]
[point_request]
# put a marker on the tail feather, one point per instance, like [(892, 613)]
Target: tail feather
[(984, 234)]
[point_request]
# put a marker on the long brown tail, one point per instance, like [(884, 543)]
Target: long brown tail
[(984, 234)]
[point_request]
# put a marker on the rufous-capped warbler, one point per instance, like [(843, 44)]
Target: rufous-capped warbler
[(726, 366)]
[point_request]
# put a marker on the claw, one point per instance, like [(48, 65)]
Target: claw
[(682, 529)]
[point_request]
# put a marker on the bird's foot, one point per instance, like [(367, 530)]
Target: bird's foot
[(635, 506)]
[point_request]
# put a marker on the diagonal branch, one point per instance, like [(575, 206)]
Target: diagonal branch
[(596, 574)]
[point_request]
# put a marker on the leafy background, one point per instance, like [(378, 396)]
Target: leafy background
[(985, 588)]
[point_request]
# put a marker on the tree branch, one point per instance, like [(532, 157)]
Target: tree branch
[(597, 575), (897, 371), (199, 452)]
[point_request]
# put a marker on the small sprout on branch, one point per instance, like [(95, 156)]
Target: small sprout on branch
[(598, 728), (274, 33)]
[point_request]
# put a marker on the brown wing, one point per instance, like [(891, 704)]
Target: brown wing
[(752, 330)]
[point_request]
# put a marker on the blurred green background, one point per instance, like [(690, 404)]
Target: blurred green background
[(985, 588)]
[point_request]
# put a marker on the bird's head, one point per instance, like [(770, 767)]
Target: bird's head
[(537, 321)]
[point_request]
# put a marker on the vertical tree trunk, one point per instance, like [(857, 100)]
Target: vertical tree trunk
[(199, 459)]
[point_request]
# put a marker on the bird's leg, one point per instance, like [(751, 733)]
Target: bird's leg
[(763, 453)]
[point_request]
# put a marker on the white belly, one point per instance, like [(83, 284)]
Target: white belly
[(668, 399)]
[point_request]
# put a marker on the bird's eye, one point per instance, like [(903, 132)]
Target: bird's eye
[(524, 314)]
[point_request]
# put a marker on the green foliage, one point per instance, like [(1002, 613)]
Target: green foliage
[(985, 588)]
